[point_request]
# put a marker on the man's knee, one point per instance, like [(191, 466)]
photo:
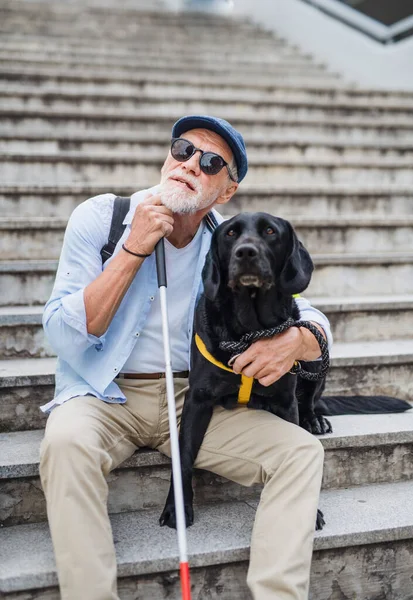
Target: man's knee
[(303, 452)]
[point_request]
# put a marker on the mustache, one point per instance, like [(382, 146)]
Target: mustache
[(193, 181)]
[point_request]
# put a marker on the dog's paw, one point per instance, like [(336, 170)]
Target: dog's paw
[(316, 424), (324, 424), (168, 516), (319, 524)]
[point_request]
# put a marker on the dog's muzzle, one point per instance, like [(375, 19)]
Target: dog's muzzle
[(249, 267)]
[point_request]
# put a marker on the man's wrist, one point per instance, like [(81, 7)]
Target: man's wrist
[(309, 348)]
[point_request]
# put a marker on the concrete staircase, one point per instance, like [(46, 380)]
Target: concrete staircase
[(88, 95)]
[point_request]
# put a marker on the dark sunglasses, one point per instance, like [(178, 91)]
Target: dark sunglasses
[(209, 162)]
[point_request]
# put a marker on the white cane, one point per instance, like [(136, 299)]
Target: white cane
[(173, 429)]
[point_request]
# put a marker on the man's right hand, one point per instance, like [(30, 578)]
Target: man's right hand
[(151, 222)]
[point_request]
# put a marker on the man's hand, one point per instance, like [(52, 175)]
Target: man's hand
[(269, 359), (151, 222)]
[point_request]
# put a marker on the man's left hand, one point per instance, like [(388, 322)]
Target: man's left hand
[(269, 359)]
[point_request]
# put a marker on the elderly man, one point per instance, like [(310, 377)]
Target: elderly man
[(105, 326)]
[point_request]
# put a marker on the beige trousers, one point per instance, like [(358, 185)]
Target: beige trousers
[(86, 438)]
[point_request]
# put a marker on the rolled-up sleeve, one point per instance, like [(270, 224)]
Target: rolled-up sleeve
[(64, 315), (309, 313)]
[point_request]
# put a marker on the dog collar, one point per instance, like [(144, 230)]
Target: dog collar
[(244, 393)]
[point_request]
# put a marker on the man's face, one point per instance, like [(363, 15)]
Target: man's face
[(187, 189)]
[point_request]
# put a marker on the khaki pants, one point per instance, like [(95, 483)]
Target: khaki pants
[(86, 438)]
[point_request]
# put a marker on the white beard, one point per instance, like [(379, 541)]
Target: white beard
[(182, 201)]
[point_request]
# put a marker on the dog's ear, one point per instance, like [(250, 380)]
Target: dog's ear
[(211, 273), (296, 273)]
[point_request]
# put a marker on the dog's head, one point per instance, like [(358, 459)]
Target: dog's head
[(256, 250)]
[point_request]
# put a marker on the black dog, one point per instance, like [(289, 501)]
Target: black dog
[(255, 264), (254, 267)]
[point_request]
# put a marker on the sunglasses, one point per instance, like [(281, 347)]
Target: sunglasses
[(209, 162)]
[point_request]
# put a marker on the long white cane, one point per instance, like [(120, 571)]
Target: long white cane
[(176, 460)]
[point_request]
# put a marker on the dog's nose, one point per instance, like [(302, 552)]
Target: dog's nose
[(246, 251)]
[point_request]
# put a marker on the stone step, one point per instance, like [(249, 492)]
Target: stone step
[(42, 237), (114, 44), (369, 530), (333, 91), (369, 318), (149, 56), (364, 449), (164, 65), (157, 16), (230, 42), (20, 121), (32, 5), (78, 167), (195, 100), (280, 146), (135, 76), (358, 319), (328, 200), (30, 282), (97, 22), (243, 53), (378, 368), (130, 29)]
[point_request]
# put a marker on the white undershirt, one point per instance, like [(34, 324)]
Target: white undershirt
[(148, 354)]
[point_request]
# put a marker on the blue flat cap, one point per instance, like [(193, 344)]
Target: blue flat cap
[(233, 138)]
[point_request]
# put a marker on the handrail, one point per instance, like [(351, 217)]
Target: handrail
[(351, 16)]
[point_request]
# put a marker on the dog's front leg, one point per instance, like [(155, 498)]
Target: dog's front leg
[(196, 415)]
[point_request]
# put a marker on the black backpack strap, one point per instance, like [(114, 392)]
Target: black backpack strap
[(211, 221), (121, 208)]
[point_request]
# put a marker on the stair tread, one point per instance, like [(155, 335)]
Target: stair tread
[(143, 158), (220, 534), (281, 139), (26, 223), (250, 117), (19, 450), (223, 96)]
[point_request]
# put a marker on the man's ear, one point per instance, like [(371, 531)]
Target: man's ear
[(211, 273), (296, 274), (227, 194)]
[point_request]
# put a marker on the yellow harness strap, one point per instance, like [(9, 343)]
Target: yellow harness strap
[(244, 393)]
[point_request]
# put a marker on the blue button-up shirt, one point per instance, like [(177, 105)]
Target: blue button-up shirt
[(88, 364)]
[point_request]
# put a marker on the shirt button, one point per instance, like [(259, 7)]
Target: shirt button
[(152, 298), (137, 334), (115, 369)]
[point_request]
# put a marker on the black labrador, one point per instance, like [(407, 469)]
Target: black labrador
[(254, 266)]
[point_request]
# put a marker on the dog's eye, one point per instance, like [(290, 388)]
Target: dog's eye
[(269, 230), (230, 232)]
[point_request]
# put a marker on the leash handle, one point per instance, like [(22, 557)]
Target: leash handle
[(160, 263)]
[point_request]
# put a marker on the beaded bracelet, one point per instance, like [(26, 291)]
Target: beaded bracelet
[(134, 253)]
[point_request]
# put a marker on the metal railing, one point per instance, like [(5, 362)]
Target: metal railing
[(385, 34)]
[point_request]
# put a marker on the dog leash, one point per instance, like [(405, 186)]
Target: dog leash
[(245, 342)]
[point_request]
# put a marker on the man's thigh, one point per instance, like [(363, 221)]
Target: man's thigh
[(91, 423), (247, 446)]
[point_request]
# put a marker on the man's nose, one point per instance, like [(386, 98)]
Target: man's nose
[(246, 251), (192, 164)]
